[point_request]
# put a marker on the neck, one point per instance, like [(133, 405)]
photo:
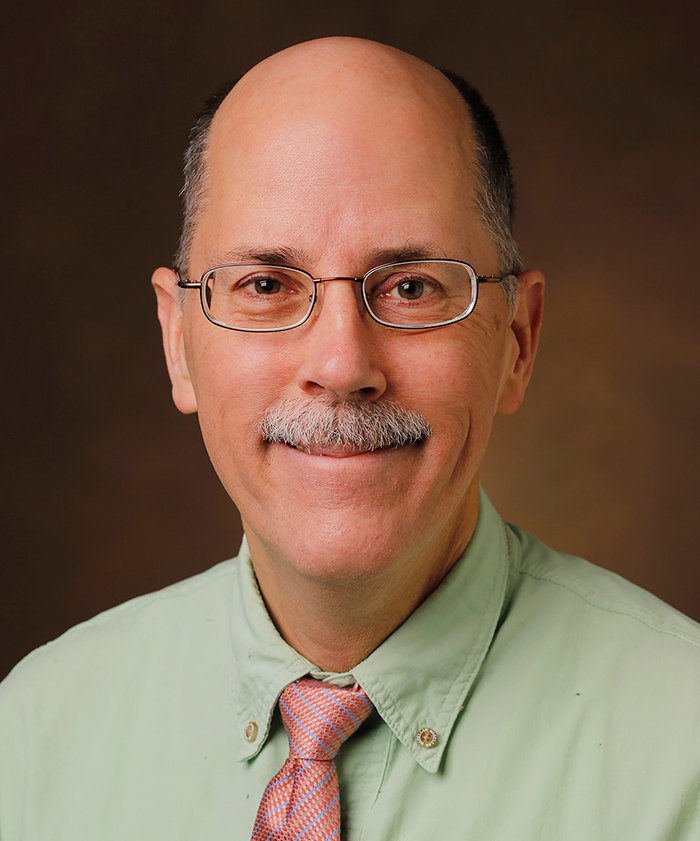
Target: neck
[(337, 624)]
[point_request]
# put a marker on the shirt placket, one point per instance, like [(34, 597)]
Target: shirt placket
[(362, 764)]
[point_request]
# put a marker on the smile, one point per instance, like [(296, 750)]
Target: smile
[(332, 452)]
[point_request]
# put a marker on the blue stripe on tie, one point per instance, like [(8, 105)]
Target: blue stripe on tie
[(301, 725), (309, 826), (320, 714), (310, 793), (357, 691)]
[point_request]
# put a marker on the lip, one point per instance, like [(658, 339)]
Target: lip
[(329, 457), (332, 453), (342, 453)]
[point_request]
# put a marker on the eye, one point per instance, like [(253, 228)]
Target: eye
[(411, 289), (267, 286), (406, 286)]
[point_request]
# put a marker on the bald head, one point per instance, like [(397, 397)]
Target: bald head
[(346, 82), (324, 108)]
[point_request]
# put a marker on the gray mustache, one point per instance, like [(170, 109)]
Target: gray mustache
[(354, 425)]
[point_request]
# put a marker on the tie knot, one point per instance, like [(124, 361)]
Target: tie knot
[(319, 717)]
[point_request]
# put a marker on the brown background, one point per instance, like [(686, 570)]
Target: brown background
[(107, 490)]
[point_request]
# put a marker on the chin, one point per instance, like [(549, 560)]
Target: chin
[(344, 551)]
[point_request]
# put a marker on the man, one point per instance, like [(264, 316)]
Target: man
[(385, 658)]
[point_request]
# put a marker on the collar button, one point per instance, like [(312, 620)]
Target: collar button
[(251, 731), (426, 737)]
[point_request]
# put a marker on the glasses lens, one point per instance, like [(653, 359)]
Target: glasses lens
[(255, 297), (420, 294)]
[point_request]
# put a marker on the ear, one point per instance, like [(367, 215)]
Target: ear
[(523, 336), (171, 317)]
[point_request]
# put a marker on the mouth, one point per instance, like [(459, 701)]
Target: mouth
[(335, 452)]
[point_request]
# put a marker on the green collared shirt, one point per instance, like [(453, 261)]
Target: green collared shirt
[(565, 702)]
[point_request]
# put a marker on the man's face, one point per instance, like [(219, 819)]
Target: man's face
[(337, 180)]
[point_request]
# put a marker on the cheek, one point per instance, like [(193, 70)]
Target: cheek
[(235, 380), (455, 385), (233, 372), (454, 378)]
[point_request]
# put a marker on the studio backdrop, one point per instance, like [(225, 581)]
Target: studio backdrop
[(108, 492)]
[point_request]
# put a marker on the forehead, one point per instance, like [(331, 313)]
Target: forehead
[(366, 158)]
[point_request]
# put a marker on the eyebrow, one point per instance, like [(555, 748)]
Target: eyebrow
[(282, 255), (407, 253)]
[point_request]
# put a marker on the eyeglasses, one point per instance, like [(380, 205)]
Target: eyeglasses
[(258, 298)]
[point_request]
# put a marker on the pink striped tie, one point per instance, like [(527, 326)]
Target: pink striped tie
[(301, 801)]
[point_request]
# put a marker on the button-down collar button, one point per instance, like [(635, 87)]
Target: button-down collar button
[(251, 731), (426, 737)]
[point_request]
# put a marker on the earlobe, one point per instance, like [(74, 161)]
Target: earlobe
[(171, 322), (522, 340)]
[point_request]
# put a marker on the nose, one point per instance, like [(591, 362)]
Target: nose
[(340, 356)]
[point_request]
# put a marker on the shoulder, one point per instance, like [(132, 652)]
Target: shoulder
[(589, 698), (582, 626), (108, 694), (604, 659), (101, 648), (578, 586)]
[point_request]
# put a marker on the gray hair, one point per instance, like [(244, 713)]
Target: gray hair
[(321, 424), (195, 174), (494, 193)]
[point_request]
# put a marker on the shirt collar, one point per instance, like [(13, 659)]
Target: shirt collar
[(418, 678)]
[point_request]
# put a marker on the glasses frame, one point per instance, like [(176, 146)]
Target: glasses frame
[(201, 284)]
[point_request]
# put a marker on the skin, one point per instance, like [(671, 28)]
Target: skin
[(342, 150)]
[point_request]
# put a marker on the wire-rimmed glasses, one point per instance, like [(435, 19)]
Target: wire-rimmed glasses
[(415, 295)]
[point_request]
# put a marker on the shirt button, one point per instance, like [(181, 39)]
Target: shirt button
[(251, 731), (426, 737)]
